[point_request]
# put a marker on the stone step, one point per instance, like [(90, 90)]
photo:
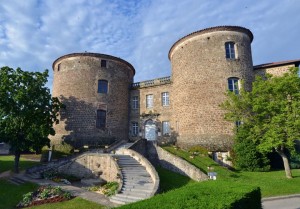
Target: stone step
[(139, 182), (137, 194), (16, 181), (143, 187), (137, 173), (137, 178), (126, 196), (120, 201), (124, 190), (34, 175)]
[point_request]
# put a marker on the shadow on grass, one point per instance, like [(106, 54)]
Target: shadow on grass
[(170, 180), (7, 163)]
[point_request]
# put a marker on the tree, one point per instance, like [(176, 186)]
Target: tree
[(27, 111), (245, 154), (272, 113)]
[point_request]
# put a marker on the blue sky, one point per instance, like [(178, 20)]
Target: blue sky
[(33, 33)]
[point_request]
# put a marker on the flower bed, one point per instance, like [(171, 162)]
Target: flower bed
[(43, 195)]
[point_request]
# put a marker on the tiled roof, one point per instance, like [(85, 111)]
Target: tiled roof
[(275, 64)]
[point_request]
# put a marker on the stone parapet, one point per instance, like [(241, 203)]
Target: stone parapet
[(178, 165)]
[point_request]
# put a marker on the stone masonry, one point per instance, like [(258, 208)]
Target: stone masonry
[(75, 82), (197, 86)]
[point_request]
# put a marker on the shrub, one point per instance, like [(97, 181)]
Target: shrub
[(295, 161), (43, 193), (246, 156)]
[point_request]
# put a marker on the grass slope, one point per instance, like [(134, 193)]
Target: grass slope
[(273, 183)]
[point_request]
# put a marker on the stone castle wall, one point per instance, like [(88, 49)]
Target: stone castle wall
[(76, 84), (275, 71), (197, 87), (160, 113), (200, 73)]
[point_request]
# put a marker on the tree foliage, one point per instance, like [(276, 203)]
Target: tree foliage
[(27, 110), (271, 111)]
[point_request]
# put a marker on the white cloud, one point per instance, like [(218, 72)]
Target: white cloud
[(33, 33)]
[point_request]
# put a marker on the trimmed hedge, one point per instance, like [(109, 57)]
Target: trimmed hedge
[(206, 195)]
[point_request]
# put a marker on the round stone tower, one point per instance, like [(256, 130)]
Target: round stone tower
[(95, 89), (206, 64)]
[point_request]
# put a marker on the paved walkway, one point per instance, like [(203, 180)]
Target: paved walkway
[(282, 202)]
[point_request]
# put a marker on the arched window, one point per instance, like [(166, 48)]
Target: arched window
[(233, 85), (102, 86), (230, 50), (101, 119)]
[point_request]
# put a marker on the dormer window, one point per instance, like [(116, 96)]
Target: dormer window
[(230, 50)]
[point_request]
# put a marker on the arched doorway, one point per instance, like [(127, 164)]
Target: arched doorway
[(150, 130)]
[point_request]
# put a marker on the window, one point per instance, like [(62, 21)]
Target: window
[(166, 128), (149, 101), (103, 63), (58, 67), (135, 129), (233, 85), (135, 102), (101, 119), (165, 99), (102, 86), (230, 51)]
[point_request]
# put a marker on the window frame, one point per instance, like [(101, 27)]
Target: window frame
[(165, 99), (166, 128), (101, 119), (230, 50), (103, 63), (135, 129), (99, 89), (149, 101), (233, 85), (135, 102)]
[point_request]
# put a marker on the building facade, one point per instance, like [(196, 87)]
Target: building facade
[(103, 105)]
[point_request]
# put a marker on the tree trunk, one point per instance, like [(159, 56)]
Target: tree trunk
[(17, 160), (286, 164)]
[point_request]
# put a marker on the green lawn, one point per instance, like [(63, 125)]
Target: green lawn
[(7, 163), (11, 194), (273, 183), (170, 180), (76, 203)]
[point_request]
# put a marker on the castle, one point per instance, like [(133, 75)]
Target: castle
[(103, 105)]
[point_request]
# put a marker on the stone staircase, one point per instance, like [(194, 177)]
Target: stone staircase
[(16, 180), (137, 182)]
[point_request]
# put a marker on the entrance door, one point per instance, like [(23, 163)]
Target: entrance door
[(150, 130)]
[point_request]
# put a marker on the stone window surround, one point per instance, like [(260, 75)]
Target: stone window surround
[(134, 128), (149, 101), (102, 86), (135, 102), (234, 84), (103, 63), (101, 118), (166, 128), (230, 50), (165, 99)]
